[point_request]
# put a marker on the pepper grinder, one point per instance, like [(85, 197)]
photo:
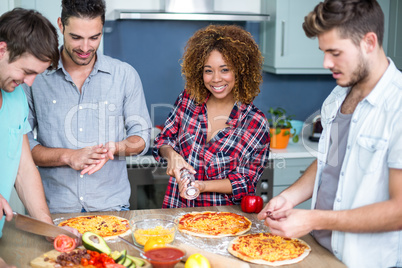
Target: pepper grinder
[(191, 192)]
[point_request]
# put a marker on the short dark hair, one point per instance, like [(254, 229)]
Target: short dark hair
[(27, 31), (239, 50), (82, 9), (352, 18)]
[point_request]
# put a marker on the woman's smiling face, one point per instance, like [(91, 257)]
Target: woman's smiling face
[(219, 79)]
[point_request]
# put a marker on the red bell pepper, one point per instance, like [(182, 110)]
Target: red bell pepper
[(252, 204)]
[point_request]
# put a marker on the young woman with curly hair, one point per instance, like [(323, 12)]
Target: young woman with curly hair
[(214, 130)]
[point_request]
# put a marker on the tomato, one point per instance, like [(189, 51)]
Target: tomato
[(197, 261), (108, 261), (252, 204), (94, 254), (84, 262), (103, 257), (64, 243)]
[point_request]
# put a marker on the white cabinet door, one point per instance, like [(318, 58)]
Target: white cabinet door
[(285, 47), (6, 5), (286, 174)]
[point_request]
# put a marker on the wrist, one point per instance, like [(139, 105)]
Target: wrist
[(167, 152), (65, 157)]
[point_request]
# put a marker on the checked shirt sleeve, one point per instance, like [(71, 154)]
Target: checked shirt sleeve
[(168, 135), (255, 148)]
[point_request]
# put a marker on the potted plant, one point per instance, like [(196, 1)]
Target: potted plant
[(280, 128)]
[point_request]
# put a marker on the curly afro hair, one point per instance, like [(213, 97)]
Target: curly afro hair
[(240, 52)]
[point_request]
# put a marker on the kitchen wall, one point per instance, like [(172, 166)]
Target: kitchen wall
[(154, 49)]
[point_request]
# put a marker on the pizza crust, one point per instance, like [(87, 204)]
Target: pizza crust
[(198, 234), (109, 237), (264, 262)]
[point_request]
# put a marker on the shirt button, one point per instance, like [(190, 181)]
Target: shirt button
[(348, 147), (335, 251), (81, 176), (80, 107), (73, 84), (342, 174), (106, 102), (54, 101), (338, 199), (81, 198), (80, 129), (354, 120)]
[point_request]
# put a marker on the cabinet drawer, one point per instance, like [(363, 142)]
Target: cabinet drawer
[(287, 171)]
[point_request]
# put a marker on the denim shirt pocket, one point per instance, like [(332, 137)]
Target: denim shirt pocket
[(371, 151), (14, 140)]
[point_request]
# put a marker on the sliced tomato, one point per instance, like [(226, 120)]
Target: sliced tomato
[(64, 243), (94, 254), (84, 262)]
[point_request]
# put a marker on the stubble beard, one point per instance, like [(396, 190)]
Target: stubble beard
[(359, 74), (80, 62)]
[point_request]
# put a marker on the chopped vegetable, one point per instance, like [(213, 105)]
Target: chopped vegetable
[(99, 259), (64, 243), (95, 242)]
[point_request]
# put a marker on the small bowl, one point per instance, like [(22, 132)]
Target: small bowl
[(164, 257), (144, 227)]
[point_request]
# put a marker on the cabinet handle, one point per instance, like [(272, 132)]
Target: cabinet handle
[(283, 38)]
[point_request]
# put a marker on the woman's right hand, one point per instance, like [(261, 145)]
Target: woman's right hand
[(175, 162)]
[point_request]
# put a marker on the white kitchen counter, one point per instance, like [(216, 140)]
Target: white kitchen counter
[(303, 149)]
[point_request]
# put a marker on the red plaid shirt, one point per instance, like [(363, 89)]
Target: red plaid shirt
[(238, 153)]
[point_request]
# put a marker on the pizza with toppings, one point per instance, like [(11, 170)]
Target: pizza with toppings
[(213, 224), (107, 226), (269, 249)]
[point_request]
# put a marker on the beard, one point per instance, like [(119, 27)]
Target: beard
[(78, 60), (359, 74)]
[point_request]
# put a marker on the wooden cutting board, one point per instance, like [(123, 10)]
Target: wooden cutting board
[(40, 262)]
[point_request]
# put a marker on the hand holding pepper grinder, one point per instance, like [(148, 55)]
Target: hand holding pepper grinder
[(191, 192)]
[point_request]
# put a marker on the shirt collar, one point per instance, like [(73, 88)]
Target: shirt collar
[(378, 94), (100, 64)]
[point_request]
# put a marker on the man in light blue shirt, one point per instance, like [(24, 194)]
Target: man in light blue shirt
[(28, 46), (356, 181), (89, 114)]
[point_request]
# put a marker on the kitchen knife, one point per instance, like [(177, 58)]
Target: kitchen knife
[(34, 226)]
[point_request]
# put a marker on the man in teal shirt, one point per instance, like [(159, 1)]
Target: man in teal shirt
[(28, 46)]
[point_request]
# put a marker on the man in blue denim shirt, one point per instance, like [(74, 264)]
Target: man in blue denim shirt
[(356, 181), (89, 114)]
